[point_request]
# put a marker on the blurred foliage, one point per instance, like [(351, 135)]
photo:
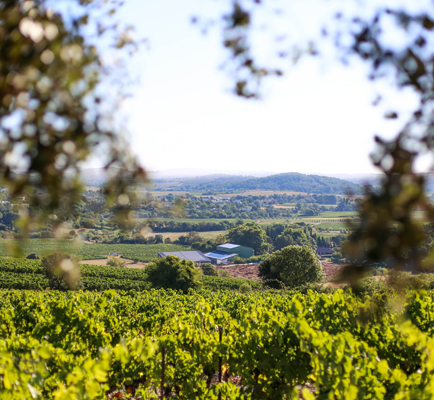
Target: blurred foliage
[(53, 112), (62, 271), (388, 233)]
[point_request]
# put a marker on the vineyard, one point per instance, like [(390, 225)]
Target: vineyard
[(160, 344), (90, 251), (28, 274)]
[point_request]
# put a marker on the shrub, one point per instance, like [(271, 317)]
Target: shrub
[(224, 273), (209, 269), (245, 288), (336, 257), (293, 265), (88, 223), (33, 256), (62, 271), (173, 273), (115, 262)]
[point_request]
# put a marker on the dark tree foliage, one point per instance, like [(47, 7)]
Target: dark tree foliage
[(33, 256), (209, 269), (293, 265), (173, 273), (250, 235)]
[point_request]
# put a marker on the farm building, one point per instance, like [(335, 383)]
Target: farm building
[(226, 252), (220, 257), (196, 256), (324, 251), (241, 251)]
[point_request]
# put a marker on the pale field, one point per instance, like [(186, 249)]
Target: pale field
[(128, 263), (280, 206), (316, 219)]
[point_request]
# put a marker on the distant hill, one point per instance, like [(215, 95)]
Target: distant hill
[(292, 181)]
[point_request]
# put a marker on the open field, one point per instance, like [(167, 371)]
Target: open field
[(339, 214), (158, 193), (335, 226), (103, 263)]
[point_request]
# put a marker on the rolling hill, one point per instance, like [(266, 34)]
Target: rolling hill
[(292, 181)]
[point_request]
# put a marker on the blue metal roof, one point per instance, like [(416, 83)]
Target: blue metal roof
[(219, 255), (229, 245), (195, 256)]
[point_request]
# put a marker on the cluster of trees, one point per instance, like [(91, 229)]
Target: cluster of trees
[(174, 226), (263, 239)]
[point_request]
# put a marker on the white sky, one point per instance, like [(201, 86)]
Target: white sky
[(317, 118)]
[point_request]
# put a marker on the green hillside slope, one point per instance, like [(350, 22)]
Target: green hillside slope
[(289, 181)]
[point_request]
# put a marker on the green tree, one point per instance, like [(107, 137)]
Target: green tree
[(159, 239), (224, 273), (293, 265), (336, 257), (173, 273), (220, 239), (62, 271), (115, 262), (291, 236), (193, 237), (209, 269), (245, 288), (250, 235)]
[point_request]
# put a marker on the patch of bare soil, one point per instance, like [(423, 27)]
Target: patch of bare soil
[(251, 271), (330, 269), (128, 263), (245, 271)]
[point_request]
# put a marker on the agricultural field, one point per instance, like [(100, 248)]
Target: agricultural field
[(338, 214), (29, 275), (335, 226), (162, 344), (89, 251)]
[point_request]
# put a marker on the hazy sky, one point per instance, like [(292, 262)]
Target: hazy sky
[(317, 118)]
